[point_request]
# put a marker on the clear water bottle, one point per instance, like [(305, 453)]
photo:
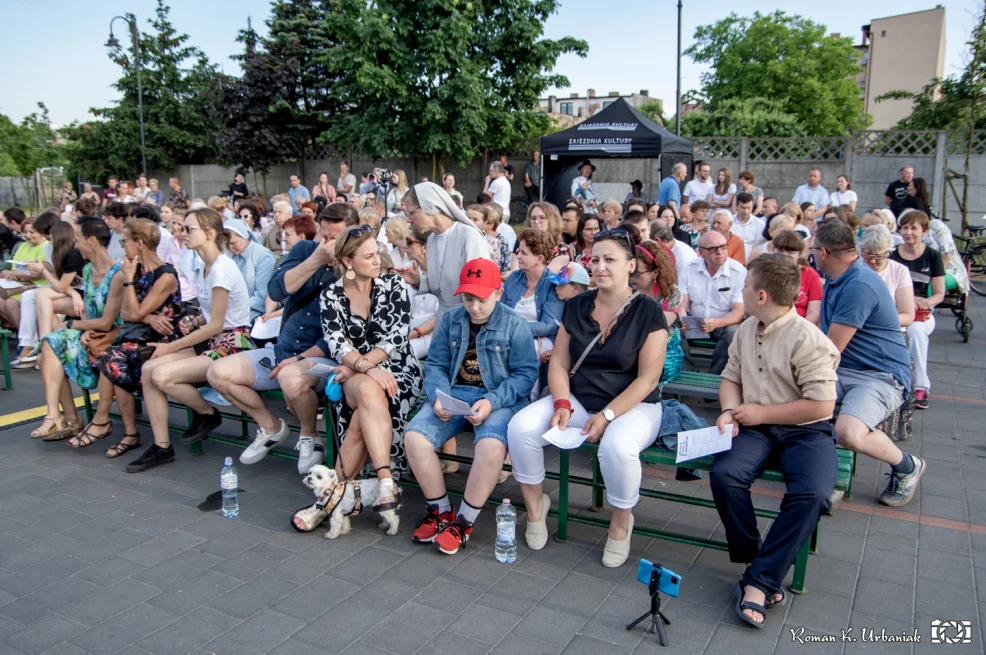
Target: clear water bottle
[(228, 483), (506, 533)]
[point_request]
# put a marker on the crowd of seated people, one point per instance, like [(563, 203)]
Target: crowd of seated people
[(578, 320)]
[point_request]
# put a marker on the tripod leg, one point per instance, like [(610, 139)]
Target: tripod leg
[(634, 624), (662, 636), (666, 620)]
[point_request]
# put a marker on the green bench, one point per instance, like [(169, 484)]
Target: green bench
[(5, 354), (654, 456), (694, 384)]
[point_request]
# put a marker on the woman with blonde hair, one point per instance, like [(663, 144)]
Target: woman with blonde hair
[(487, 218), (777, 224), (724, 191), (609, 213), (396, 195), (396, 230), (544, 217)]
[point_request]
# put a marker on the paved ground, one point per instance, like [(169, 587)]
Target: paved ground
[(96, 561)]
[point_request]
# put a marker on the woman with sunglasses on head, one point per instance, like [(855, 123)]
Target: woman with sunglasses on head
[(222, 328), (603, 376), (589, 226), (366, 318)]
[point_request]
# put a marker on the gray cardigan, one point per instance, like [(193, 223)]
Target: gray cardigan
[(465, 243)]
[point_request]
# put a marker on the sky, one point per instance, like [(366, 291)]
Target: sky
[(53, 50)]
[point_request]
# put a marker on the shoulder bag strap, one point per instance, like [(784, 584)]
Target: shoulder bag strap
[(588, 349)]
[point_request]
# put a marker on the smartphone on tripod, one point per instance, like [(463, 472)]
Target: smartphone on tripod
[(669, 582)]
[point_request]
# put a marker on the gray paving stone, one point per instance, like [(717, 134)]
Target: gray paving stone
[(578, 595), (484, 624), (795, 638), (317, 597), (341, 626), (42, 574), (887, 565), (178, 569), (235, 540), (257, 635), (945, 568), (885, 599), (522, 645), (516, 593), (368, 566), (66, 649), (42, 635), (191, 594), (943, 539), (861, 620), (818, 610), (42, 602), (308, 564), (408, 629), (7, 626), (935, 599), (249, 598), (583, 645), (295, 647), (113, 544), (125, 629), (449, 643), (110, 571), (548, 625), (189, 632), (448, 596), (479, 571), (110, 601), (609, 622), (252, 561)]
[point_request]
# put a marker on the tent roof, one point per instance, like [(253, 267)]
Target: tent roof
[(617, 131)]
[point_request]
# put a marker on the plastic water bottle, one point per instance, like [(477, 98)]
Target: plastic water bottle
[(506, 533), (229, 483)]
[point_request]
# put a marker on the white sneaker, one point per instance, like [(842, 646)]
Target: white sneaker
[(311, 451), (262, 444)]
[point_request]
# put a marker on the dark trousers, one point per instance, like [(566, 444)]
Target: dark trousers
[(533, 194), (723, 336), (806, 455)]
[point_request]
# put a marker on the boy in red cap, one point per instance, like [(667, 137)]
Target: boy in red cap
[(481, 353)]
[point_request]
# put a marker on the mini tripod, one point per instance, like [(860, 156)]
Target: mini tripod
[(655, 609)]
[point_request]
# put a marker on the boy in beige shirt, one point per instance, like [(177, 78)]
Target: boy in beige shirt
[(778, 393)]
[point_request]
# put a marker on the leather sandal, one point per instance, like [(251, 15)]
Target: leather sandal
[(122, 447), (86, 438), (48, 426), (70, 430)]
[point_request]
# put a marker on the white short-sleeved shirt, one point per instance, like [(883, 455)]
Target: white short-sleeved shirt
[(225, 275), (698, 190), (838, 199), (683, 254), (817, 196), (722, 198), (750, 232), (500, 188), (895, 276), (712, 296), (349, 181), (508, 234)]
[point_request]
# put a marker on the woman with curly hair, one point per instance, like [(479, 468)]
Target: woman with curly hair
[(657, 278)]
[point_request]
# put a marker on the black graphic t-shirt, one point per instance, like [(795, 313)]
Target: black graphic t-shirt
[(469, 371)]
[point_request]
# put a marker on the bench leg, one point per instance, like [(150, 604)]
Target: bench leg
[(195, 448), (243, 426), (562, 535), (800, 570), (329, 433), (87, 401), (7, 383), (813, 543), (597, 485)]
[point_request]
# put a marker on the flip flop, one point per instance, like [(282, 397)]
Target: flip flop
[(748, 605)]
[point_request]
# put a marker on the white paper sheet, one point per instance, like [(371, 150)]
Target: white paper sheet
[(320, 370), (454, 406), (21, 266), (707, 441), (266, 329), (692, 330), (566, 439), (10, 284)]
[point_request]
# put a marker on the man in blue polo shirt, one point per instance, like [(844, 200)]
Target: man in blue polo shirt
[(305, 272), (669, 193), (860, 318)]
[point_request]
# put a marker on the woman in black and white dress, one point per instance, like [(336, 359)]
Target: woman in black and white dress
[(366, 318)]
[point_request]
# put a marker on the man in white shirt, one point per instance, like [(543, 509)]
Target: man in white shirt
[(682, 252), (584, 180), (813, 192), (712, 290), (347, 181), (700, 187), (746, 226), (498, 185)]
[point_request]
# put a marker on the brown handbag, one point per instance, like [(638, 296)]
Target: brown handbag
[(99, 342)]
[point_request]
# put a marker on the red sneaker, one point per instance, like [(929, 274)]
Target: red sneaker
[(429, 527), (453, 536)]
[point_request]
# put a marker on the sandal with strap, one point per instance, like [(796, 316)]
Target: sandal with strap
[(70, 430), (86, 438), (53, 426), (123, 447), (742, 605)]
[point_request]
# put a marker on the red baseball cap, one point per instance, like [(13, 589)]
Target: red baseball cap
[(480, 277)]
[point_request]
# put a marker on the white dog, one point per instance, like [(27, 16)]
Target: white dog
[(321, 479)]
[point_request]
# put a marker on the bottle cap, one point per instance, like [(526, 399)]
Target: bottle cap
[(506, 501), (229, 461)]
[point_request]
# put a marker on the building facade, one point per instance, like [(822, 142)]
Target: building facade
[(576, 108)]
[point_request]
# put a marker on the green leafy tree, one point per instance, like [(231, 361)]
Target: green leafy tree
[(746, 117), (442, 78), (31, 145), (942, 104), (654, 110), (179, 107), (787, 58)]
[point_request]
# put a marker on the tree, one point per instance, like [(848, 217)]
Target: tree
[(442, 78), (654, 110), (789, 59), (31, 145), (942, 104), (178, 83), (746, 117)]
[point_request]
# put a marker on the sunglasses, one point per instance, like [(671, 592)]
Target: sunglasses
[(616, 233), (187, 229), (247, 215), (357, 232), (724, 247)]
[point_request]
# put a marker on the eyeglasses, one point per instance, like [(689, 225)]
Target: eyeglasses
[(187, 229), (617, 233), (246, 215), (710, 249), (541, 218), (870, 257), (357, 232)]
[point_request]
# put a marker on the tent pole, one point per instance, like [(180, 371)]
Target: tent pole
[(677, 95)]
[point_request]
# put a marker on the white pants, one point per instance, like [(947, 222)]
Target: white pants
[(918, 334), (619, 448), (420, 346), (27, 332)]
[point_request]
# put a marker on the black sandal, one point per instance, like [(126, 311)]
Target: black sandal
[(86, 438), (121, 447), (748, 605)]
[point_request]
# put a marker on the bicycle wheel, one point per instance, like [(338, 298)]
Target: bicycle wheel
[(976, 265)]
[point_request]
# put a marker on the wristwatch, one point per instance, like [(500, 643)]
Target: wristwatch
[(609, 415)]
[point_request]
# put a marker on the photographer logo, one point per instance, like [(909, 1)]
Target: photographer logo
[(951, 632)]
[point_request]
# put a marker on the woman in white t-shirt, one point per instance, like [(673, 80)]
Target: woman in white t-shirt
[(724, 191), (874, 248), (844, 197), (396, 194), (223, 328)]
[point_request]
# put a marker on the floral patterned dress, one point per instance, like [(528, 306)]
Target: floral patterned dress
[(387, 328), (67, 343), (675, 355), (122, 363)]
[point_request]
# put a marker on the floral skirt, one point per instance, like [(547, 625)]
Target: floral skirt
[(122, 364), (228, 342), (73, 356), (674, 358)]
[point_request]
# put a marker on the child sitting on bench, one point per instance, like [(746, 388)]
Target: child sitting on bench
[(778, 393), (482, 353)]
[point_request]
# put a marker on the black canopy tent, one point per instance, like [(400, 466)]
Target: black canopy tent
[(618, 131)]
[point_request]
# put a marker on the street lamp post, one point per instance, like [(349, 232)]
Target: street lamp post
[(113, 43), (677, 95)]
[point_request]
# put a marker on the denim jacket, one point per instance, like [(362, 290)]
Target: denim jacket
[(508, 362), (256, 263), (549, 307)]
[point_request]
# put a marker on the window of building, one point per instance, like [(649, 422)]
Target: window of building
[(565, 108), (866, 58), (883, 33)]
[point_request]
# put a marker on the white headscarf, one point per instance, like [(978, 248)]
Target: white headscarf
[(433, 199)]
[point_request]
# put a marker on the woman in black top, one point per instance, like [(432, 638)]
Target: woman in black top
[(917, 196), (928, 275), (613, 395)]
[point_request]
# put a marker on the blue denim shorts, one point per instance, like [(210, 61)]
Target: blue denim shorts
[(438, 431)]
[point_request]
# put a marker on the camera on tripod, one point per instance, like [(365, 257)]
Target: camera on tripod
[(659, 580), (385, 180)]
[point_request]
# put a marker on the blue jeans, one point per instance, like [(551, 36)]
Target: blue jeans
[(438, 431)]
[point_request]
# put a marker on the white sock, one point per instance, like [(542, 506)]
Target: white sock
[(468, 512), (444, 505)]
